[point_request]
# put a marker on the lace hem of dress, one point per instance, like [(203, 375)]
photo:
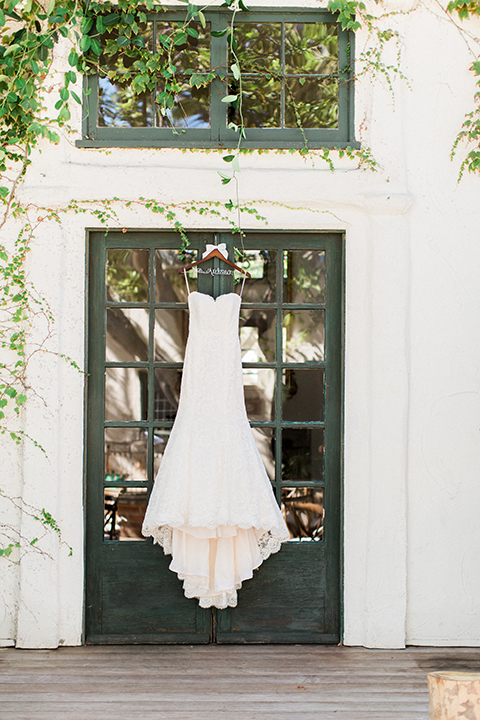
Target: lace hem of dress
[(194, 586)]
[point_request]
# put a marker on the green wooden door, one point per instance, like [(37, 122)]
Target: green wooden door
[(291, 338)]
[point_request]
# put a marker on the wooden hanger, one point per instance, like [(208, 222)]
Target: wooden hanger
[(214, 254)]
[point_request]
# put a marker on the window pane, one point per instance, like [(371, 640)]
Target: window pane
[(160, 440), (257, 335), (125, 455), (259, 389), (311, 103), (304, 512), (302, 454), (191, 108), (119, 106), (261, 102), (127, 275), (258, 46), (311, 48), (265, 441), (261, 287), (304, 276), (167, 393), (126, 391), (127, 334), (171, 330), (170, 286), (303, 335), (191, 54), (124, 513), (302, 394)]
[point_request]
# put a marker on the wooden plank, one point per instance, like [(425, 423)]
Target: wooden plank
[(222, 682)]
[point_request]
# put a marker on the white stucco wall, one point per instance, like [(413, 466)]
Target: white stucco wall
[(412, 411)]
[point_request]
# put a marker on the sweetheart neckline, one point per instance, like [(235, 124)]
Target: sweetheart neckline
[(195, 292)]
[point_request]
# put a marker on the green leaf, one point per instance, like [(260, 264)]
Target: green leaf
[(2, 19), (229, 98), (85, 43), (192, 32), (201, 17), (228, 158), (12, 97), (11, 392), (219, 33), (476, 67), (64, 94), (21, 399), (180, 38), (236, 71), (75, 97), (95, 46), (123, 41), (4, 192), (111, 19), (72, 58)]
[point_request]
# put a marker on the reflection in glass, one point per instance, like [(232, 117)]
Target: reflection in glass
[(311, 48), (125, 455), (261, 264), (191, 109), (304, 276), (124, 510), (259, 389), (311, 103), (191, 58), (118, 105), (171, 331), (264, 439), (304, 512), (258, 47), (160, 440), (127, 334), (261, 102), (126, 393), (257, 335), (302, 454), (303, 335), (170, 286), (302, 394), (127, 275), (167, 393)]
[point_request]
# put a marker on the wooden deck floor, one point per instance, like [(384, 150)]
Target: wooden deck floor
[(222, 683)]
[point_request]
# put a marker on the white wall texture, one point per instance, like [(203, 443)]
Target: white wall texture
[(412, 347)]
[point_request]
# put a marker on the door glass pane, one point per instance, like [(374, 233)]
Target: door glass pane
[(171, 331), (302, 454), (257, 335), (265, 441), (160, 440), (125, 455), (126, 393), (311, 48), (124, 510), (311, 103), (170, 286), (259, 389), (127, 334), (167, 393), (303, 335), (302, 394), (304, 276), (261, 264), (304, 513), (127, 275)]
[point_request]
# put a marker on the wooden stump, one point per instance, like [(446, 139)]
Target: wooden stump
[(454, 695)]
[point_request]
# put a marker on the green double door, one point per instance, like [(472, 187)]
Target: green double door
[(291, 340)]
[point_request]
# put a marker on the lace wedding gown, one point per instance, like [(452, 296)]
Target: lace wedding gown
[(212, 506)]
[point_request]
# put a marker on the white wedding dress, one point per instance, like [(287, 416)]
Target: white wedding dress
[(212, 506)]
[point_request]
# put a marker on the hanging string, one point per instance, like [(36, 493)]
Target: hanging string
[(186, 280)]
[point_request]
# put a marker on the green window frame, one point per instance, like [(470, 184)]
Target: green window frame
[(218, 134)]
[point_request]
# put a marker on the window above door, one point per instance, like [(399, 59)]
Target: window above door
[(295, 88)]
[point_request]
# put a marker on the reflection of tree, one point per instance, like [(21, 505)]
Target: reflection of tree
[(303, 509), (310, 48)]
